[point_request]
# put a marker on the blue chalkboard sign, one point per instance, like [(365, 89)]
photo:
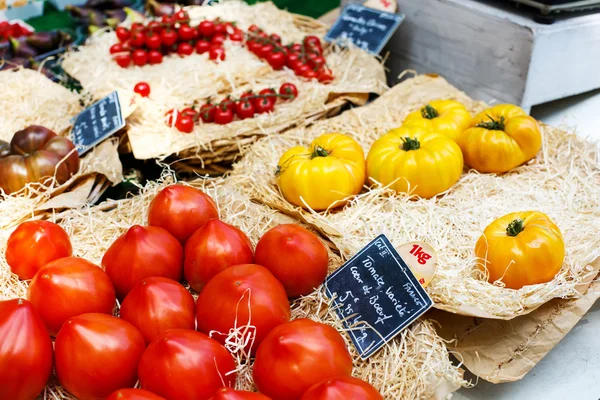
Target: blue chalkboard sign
[(367, 28), (97, 122), (376, 295)]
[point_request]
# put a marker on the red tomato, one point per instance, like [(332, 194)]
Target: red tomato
[(325, 76), (230, 394), (297, 355), (116, 48), (34, 244), (236, 36), (139, 57), (157, 304), (275, 37), (185, 49), (292, 58), (218, 40), (154, 57), (122, 33), (181, 16), (310, 74), (206, 28), (186, 33), (296, 257), (244, 109), (302, 69), (248, 295), (25, 351), (134, 394), (186, 365), (254, 28), (289, 89), (312, 41), (97, 354), (181, 210), (276, 60), (68, 287), (123, 60), (153, 41), (296, 48), (137, 39), (220, 29), (142, 88), (140, 253), (213, 248), (207, 113), (265, 50), (228, 103), (216, 53), (154, 26), (168, 37), (264, 105), (342, 388), (184, 123), (223, 116), (202, 46)]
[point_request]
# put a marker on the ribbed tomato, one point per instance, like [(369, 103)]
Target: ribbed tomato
[(157, 304), (142, 252), (213, 248), (247, 294), (134, 394), (68, 287), (230, 394), (342, 388), (186, 365), (181, 210), (25, 351), (97, 354), (34, 244)]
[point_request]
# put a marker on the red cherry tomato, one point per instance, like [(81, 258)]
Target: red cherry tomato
[(154, 26), (275, 37), (181, 210), (142, 88), (116, 48), (292, 59), (181, 16), (230, 394), (140, 253), (138, 27), (296, 48), (218, 39), (254, 28), (310, 74), (25, 351), (264, 105), (342, 388), (206, 28), (213, 248), (185, 49), (34, 244), (123, 34), (253, 46), (265, 50), (270, 94), (97, 354), (157, 304), (236, 36), (202, 46), (168, 37), (296, 257), (69, 287), (184, 123), (207, 113), (276, 60), (138, 39), (297, 355), (317, 62), (223, 116), (155, 57), (302, 69), (140, 57), (312, 41), (220, 29), (186, 365), (134, 394), (325, 76), (190, 112), (288, 89), (186, 33), (123, 60), (244, 109), (248, 295)]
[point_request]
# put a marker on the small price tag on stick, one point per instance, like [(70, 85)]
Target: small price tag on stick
[(376, 295)]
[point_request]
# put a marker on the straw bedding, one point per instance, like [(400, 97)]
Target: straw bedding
[(562, 181), (178, 82), (415, 365)]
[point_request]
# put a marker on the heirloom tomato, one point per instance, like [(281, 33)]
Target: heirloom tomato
[(134, 394), (500, 138), (25, 351), (157, 304), (522, 248), (230, 394), (324, 174), (296, 257), (183, 364), (447, 117), (181, 210), (213, 248), (248, 295), (97, 354), (68, 287), (142, 252), (342, 388), (297, 355), (34, 244), (415, 160)]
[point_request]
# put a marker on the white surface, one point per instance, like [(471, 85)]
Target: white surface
[(571, 371)]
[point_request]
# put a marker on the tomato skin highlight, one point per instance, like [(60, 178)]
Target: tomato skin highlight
[(186, 365), (25, 351), (140, 253), (134, 394), (69, 287), (34, 244), (97, 354), (230, 394), (157, 304), (213, 248), (296, 257), (342, 388)]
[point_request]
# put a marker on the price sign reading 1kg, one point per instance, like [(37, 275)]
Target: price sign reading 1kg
[(376, 295)]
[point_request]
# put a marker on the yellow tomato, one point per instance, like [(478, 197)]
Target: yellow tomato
[(522, 248), (448, 117), (413, 158), (501, 138), (323, 175)]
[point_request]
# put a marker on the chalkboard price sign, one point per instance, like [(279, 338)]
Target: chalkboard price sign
[(97, 122), (367, 28), (376, 295)]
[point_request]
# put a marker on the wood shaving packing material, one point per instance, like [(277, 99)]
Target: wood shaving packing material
[(563, 181), (177, 82), (415, 365)]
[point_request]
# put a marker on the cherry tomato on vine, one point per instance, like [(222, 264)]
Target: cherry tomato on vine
[(310, 74), (312, 41), (202, 46), (122, 33), (264, 105), (270, 94), (181, 16), (275, 37), (116, 48), (317, 62), (123, 60), (288, 89), (227, 103), (168, 21), (139, 57), (154, 57), (302, 69), (137, 39), (253, 46), (184, 124), (138, 27), (276, 60), (296, 48), (218, 39), (207, 113), (254, 28), (154, 26), (185, 49), (190, 112), (168, 37), (220, 29), (325, 76), (216, 53), (236, 36), (223, 116), (244, 109), (186, 33), (142, 88), (206, 28), (265, 50)]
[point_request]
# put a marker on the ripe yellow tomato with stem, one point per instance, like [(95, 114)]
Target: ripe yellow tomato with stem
[(447, 117)]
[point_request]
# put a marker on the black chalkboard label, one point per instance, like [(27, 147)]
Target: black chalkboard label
[(367, 28), (97, 122), (376, 295)]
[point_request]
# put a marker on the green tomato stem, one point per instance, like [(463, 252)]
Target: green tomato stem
[(515, 227), (492, 125), (429, 112), (410, 144)]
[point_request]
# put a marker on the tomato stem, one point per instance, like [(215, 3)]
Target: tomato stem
[(429, 112), (410, 144), (515, 227), (493, 125), (319, 152)]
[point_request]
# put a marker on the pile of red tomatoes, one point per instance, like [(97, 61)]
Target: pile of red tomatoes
[(178, 348)]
